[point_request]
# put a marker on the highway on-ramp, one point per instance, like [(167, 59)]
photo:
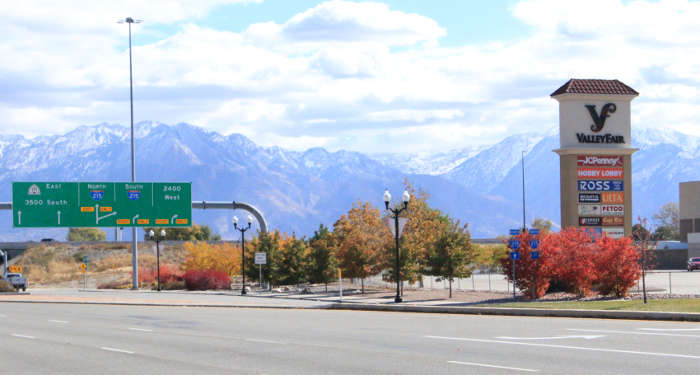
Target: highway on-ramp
[(39, 338)]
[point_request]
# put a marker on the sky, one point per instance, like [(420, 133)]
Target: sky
[(396, 76)]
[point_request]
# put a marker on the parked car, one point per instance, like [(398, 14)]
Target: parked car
[(17, 280), (693, 264)]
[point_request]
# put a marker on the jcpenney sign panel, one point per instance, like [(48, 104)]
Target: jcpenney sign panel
[(599, 161)]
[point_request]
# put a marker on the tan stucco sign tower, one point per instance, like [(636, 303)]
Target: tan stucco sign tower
[(595, 155)]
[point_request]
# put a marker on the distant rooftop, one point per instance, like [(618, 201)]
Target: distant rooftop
[(595, 86)]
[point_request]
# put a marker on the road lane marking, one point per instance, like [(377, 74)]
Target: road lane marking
[(116, 350), (565, 347), (492, 366), (23, 336), (669, 329), (141, 329), (58, 321), (263, 341), (632, 332), (587, 337)]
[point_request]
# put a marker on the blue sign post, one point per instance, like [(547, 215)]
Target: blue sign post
[(534, 244), (514, 244)]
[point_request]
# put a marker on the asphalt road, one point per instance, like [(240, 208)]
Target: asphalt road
[(41, 338)]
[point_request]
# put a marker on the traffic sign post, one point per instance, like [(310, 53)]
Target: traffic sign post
[(514, 255), (101, 204), (260, 259), (83, 267)]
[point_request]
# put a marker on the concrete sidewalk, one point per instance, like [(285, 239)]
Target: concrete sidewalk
[(313, 301)]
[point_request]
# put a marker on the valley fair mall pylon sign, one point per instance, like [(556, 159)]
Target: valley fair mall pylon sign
[(101, 204), (595, 155)]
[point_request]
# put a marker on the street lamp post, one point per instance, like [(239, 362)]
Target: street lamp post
[(395, 215), (157, 239), (242, 230), (134, 242)]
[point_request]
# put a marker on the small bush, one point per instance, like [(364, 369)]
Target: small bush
[(6, 287), (173, 285), (617, 265), (115, 284), (206, 280)]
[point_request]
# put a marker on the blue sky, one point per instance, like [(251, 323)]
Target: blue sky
[(391, 76)]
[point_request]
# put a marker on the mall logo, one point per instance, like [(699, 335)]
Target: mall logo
[(598, 124), (599, 120)]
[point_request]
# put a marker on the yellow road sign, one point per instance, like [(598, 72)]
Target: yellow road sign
[(15, 268), (83, 267)]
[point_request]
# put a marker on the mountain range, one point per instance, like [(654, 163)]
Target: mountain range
[(297, 191)]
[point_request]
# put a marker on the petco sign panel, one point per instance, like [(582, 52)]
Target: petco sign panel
[(613, 210)]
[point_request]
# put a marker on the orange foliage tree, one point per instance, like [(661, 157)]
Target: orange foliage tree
[(361, 241), (617, 265), (202, 256)]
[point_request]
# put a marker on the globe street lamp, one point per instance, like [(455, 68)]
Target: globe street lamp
[(152, 235), (396, 211), (242, 230)]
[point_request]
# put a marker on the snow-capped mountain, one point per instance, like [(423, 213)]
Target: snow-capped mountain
[(299, 190)]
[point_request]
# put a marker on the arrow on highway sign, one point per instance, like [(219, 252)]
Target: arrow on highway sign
[(514, 255), (535, 255)]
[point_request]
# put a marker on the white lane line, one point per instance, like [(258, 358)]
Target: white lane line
[(492, 366), (23, 336), (140, 329), (632, 332), (116, 350), (566, 347), (669, 329), (58, 321), (265, 341), (587, 337)]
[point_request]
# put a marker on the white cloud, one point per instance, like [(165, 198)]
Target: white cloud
[(342, 74)]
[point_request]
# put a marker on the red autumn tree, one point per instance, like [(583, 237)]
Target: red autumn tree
[(616, 264), (530, 273), (573, 259)]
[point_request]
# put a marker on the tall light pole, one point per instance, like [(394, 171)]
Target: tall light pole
[(242, 230), (157, 239), (134, 242), (522, 162), (395, 215)]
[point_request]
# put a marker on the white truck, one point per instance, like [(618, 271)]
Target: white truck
[(17, 280)]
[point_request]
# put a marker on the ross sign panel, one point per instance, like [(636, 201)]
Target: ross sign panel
[(101, 204), (613, 220), (590, 221), (599, 161), (614, 232), (260, 258), (613, 210), (612, 198), (589, 197), (600, 185), (589, 210), (600, 173)]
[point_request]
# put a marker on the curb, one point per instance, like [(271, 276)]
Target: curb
[(509, 311)]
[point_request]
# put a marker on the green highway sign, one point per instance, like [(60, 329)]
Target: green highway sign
[(101, 204)]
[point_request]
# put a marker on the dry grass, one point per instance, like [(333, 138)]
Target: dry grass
[(48, 264)]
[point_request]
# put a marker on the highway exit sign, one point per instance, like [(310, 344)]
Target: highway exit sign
[(101, 204)]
